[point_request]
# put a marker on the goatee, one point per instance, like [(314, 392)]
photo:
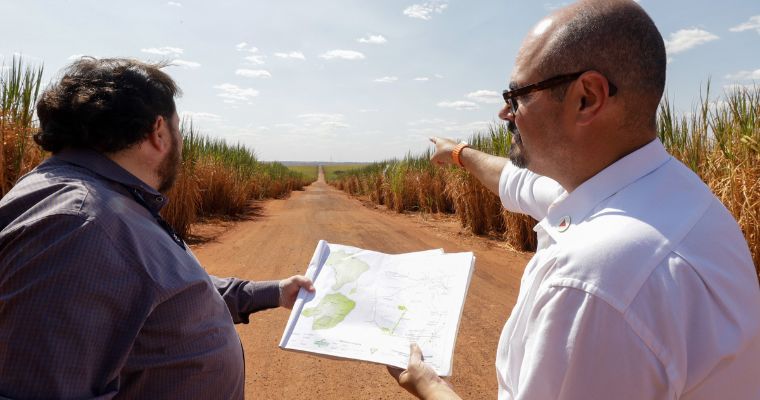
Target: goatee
[(516, 155)]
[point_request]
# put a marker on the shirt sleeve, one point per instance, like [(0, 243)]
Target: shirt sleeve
[(580, 347), (525, 192), (71, 306), (246, 297)]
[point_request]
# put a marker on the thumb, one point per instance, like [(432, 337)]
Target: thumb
[(304, 282), (415, 354)]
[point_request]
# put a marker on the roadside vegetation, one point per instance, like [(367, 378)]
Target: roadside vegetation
[(216, 178), (719, 140)]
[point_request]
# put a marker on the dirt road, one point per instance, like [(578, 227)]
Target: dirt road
[(280, 241)]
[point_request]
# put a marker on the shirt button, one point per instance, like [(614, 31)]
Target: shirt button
[(564, 223), (160, 199)]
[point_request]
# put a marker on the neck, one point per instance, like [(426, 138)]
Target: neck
[(132, 160), (598, 158)]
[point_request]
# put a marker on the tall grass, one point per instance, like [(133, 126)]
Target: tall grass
[(19, 87), (719, 140), (216, 178)]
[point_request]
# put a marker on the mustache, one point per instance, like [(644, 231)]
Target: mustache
[(512, 128)]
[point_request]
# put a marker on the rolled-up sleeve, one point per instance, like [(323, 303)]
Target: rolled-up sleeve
[(525, 192), (246, 297)]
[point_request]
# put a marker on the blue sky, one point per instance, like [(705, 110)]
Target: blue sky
[(361, 80)]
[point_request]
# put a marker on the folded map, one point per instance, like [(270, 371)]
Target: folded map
[(370, 305)]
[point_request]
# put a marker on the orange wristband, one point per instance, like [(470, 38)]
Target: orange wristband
[(457, 151)]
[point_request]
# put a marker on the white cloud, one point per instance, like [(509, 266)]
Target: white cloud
[(439, 76), (335, 124), (686, 39), (459, 105), (234, 93), (477, 126), (343, 54), (422, 79), (253, 73), (373, 39), (387, 79), (164, 51), (554, 6), (201, 116), (745, 75), (485, 96), (293, 54), (434, 127), (243, 46), (425, 10), (324, 120), (186, 64), (174, 4), (753, 23), (255, 59), (737, 88), (430, 121)]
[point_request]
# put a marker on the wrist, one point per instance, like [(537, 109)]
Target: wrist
[(456, 153), (437, 391)]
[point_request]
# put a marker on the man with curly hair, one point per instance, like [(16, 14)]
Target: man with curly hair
[(99, 297)]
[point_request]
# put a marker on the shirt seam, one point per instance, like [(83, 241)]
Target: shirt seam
[(128, 256)]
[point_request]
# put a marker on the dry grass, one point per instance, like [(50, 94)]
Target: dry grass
[(222, 179)]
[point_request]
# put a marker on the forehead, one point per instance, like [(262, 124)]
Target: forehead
[(531, 51)]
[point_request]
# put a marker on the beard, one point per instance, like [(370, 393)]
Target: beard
[(169, 167), (516, 150)]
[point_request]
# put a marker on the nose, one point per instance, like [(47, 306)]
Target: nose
[(506, 113)]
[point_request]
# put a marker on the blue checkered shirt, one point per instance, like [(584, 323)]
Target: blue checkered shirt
[(97, 301)]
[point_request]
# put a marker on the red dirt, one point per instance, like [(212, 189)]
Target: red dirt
[(279, 241)]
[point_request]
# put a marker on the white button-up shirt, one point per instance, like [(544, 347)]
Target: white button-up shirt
[(642, 287)]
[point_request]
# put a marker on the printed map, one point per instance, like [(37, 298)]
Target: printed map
[(370, 305)]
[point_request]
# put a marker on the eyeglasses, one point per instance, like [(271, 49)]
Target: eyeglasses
[(511, 95)]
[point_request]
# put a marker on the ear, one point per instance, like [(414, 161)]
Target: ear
[(158, 137), (590, 95)]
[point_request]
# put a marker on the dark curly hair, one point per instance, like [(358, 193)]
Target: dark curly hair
[(105, 104)]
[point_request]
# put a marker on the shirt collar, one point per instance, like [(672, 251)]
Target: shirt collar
[(107, 168), (572, 208)]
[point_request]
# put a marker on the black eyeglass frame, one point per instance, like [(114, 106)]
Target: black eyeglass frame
[(511, 95)]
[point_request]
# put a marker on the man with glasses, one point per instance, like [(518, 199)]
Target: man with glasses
[(642, 286)]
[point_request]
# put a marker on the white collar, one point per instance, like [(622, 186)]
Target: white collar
[(572, 208)]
